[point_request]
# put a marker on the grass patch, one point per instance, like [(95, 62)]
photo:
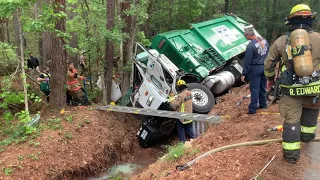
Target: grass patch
[(55, 124), (33, 156), (175, 152), (34, 144), (7, 171), (69, 119), (67, 135)]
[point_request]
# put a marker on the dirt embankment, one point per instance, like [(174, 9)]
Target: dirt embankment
[(74, 147), (239, 163)]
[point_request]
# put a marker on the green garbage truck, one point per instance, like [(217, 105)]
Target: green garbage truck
[(208, 56), (211, 52)]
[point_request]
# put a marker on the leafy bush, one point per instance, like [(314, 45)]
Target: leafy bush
[(8, 58)]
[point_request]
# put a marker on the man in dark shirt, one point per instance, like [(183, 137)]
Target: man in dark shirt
[(33, 62), (253, 69)]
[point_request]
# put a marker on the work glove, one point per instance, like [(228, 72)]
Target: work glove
[(47, 79)]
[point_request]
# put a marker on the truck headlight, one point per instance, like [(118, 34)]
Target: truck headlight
[(150, 99)]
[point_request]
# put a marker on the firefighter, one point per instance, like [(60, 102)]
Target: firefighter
[(44, 80), (299, 51), (256, 53), (183, 103), (74, 88)]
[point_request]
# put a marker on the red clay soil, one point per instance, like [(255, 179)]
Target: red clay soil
[(85, 147), (239, 163)]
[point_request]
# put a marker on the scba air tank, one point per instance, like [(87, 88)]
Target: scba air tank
[(302, 58)]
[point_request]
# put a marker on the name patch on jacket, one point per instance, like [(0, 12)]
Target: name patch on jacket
[(301, 91)]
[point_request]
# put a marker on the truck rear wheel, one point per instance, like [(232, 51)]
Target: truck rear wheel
[(203, 99)]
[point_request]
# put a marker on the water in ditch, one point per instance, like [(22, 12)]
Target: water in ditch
[(118, 170)]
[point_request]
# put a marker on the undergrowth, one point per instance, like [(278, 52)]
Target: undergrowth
[(175, 152)]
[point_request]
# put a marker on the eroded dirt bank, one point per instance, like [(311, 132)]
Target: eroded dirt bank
[(79, 144)]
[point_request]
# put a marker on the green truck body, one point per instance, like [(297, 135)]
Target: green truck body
[(205, 47)]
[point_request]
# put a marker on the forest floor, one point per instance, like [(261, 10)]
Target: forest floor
[(238, 163), (84, 143)]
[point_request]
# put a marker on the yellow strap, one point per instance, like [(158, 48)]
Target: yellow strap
[(283, 68), (308, 130), (291, 146), (182, 110), (269, 74)]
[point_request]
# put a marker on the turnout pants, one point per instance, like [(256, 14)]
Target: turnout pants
[(300, 121), (77, 96)]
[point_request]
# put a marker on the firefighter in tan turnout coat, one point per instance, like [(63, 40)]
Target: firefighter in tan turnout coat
[(299, 55), (183, 103)]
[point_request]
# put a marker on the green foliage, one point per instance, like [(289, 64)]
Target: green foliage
[(116, 177), (34, 144), (8, 58), (175, 152), (67, 135), (69, 118), (33, 156), (7, 171), (55, 124)]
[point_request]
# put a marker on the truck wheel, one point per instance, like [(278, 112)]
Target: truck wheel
[(203, 99)]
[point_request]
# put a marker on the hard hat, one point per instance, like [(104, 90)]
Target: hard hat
[(301, 10), (181, 83), (113, 103)]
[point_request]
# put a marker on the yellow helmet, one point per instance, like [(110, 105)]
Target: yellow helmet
[(301, 10), (181, 83)]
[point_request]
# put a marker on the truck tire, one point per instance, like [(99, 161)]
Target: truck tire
[(203, 99)]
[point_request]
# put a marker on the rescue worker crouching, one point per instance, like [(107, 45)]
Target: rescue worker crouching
[(74, 87), (183, 103), (256, 53), (299, 50), (44, 80)]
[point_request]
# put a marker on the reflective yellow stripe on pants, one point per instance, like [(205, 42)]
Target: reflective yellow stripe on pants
[(308, 130), (291, 146), (182, 110)]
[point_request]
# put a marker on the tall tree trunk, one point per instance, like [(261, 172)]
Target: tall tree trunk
[(109, 53), (233, 5), (275, 17), (147, 29), (46, 48), (24, 80), (16, 33), (7, 29), (58, 65), (129, 51), (127, 19), (73, 41), (226, 6), (2, 30)]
